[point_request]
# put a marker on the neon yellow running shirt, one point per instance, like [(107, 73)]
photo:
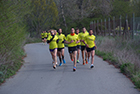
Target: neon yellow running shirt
[(61, 38), (82, 36), (78, 39), (53, 43), (49, 34), (45, 34), (42, 35), (70, 38), (90, 40)]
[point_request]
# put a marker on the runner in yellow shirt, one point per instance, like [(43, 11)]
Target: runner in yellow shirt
[(55, 32), (89, 41), (78, 46), (49, 33), (45, 37), (42, 36), (72, 40), (82, 35), (61, 46), (53, 40)]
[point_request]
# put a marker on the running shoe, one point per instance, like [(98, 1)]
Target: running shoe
[(74, 69), (77, 61), (91, 66), (54, 64), (83, 63), (60, 64), (72, 60), (54, 67), (64, 61)]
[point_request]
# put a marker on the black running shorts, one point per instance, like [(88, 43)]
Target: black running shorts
[(72, 49), (78, 46), (90, 49), (60, 49), (83, 48)]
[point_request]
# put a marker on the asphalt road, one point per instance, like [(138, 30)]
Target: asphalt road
[(38, 77)]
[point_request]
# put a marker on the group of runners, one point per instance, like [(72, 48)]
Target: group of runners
[(77, 42)]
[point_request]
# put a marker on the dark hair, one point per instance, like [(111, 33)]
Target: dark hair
[(72, 27), (90, 29), (83, 27), (76, 29)]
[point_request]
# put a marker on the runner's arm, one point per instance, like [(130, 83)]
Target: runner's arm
[(48, 41), (63, 41), (78, 41), (85, 43), (57, 40), (68, 42)]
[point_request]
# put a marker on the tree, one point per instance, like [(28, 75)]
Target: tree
[(43, 16), (121, 7), (105, 7), (136, 7), (13, 29)]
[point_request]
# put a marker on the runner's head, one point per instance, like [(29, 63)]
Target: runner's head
[(49, 31), (72, 30), (90, 32), (55, 32), (52, 32), (84, 29), (77, 31), (59, 31)]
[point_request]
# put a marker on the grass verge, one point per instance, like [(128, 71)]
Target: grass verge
[(122, 55), (9, 69)]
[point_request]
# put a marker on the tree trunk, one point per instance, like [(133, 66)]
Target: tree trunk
[(62, 12)]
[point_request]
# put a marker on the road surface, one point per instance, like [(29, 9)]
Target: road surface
[(38, 77)]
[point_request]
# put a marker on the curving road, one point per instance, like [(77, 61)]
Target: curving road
[(38, 77)]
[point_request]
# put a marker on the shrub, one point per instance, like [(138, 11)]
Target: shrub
[(117, 52)]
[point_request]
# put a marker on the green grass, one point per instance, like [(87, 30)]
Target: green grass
[(13, 32), (131, 70), (108, 57), (7, 70), (126, 68)]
